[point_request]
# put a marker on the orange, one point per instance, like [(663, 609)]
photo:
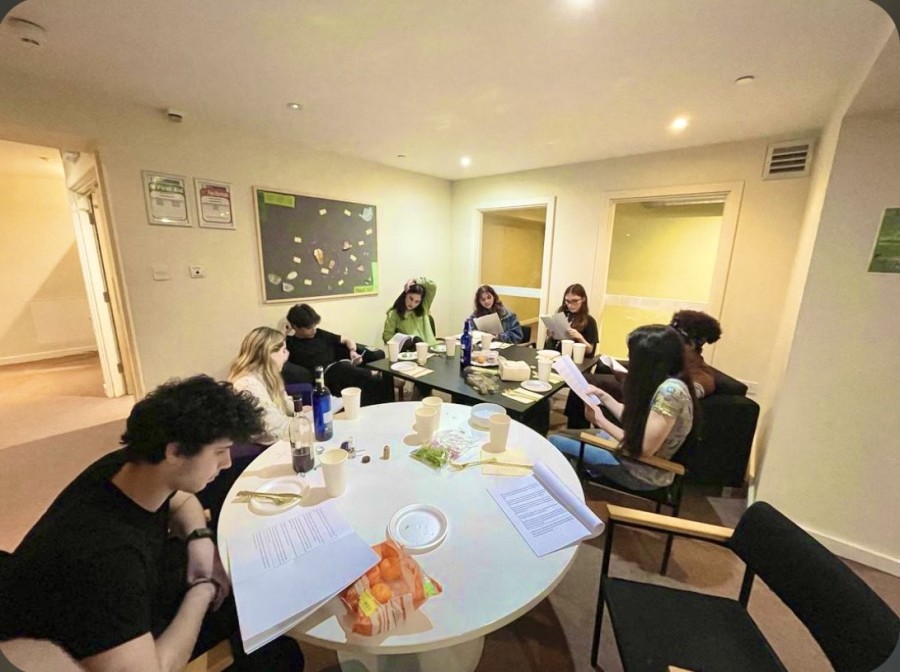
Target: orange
[(381, 592), (390, 569)]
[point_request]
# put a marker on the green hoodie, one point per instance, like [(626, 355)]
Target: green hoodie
[(412, 324)]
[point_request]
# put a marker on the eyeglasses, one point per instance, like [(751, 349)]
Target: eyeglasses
[(574, 301)]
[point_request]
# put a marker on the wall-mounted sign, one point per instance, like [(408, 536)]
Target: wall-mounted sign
[(214, 204), (886, 255), (166, 199)]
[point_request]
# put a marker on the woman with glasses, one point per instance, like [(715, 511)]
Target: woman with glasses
[(582, 327)]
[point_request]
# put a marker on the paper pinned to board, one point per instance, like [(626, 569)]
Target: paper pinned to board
[(565, 367)]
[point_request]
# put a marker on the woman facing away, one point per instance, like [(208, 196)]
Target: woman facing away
[(582, 327), (486, 302), (657, 411), (409, 314)]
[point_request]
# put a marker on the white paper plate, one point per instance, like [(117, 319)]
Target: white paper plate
[(438, 348), (549, 354), (284, 484), (406, 355), (537, 386), (481, 413), (485, 365), (418, 528), (404, 366)]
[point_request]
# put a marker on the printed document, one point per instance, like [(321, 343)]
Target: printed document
[(613, 364), (489, 323), (284, 571), (547, 514), (557, 326), (565, 367)]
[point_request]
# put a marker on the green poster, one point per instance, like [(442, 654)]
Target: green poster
[(886, 257)]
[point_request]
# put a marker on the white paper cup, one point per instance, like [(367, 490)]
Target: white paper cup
[(393, 351), (351, 395), (426, 423), (334, 470), (499, 426), (486, 341), (435, 403), (451, 346), (567, 347), (578, 350), (421, 353), (544, 368)]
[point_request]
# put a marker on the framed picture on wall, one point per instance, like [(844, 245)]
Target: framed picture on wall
[(314, 248), (166, 199), (214, 208)]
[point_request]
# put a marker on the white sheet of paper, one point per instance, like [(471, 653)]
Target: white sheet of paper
[(399, 338), (557, 325), (565, 367), (489, 323), (283, 572), (613, 364), (547, 514)]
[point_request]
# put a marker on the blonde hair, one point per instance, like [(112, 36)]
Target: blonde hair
[(255, 358)]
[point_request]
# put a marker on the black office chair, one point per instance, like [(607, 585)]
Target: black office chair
[(656, 626)]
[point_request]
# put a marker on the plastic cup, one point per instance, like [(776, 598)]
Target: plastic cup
[(451, 346), (578, 350), (499, 427), (351, 396), (421, 353), (435, 403), (393, 351), (567, 347), (334, 470), (486, 341), (426, 423), (544, 368)]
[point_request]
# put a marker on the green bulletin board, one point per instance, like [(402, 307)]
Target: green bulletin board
[(313, 248)]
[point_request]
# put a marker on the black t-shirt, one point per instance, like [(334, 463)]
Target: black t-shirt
[(97, 570), (589, 331), (320, 350)]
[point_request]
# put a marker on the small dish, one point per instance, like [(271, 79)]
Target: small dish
[(418, 528), (284, 484), (537, 386), (481, 413), (549, 354), (496, 345), (406, 356), (439, 348), (404, 366)]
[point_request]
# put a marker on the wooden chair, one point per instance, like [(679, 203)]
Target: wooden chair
[(656, 626)]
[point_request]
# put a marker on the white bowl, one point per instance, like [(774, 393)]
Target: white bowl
[(481, 413)]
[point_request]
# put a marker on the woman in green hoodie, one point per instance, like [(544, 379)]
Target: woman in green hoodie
[(409, 314)]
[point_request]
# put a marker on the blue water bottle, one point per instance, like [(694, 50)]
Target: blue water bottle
[(321, 403), (465, 347)]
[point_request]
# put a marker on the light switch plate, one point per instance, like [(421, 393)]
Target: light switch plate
[(161, 272)]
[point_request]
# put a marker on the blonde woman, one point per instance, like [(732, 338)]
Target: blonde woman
[(257, 370)]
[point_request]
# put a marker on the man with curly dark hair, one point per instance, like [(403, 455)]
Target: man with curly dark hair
[(121, 571), (697, 329)]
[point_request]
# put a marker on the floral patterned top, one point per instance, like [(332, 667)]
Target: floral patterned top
[(673, 400)]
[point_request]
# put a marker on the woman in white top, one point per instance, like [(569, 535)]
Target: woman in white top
[(257, 370)]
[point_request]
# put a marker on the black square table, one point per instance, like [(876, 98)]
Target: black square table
[(447, 377)]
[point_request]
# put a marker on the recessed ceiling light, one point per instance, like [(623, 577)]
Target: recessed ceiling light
[(744, 80), (295, 106), (678, 124), (465, 161)]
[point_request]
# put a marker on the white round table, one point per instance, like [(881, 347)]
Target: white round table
[(490, 576)]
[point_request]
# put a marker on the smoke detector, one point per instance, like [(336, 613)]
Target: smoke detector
[(28, 32)]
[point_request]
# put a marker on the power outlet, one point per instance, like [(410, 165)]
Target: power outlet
[(197, 271)]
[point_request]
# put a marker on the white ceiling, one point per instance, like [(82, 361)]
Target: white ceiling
[(513, 84), (30, 160)]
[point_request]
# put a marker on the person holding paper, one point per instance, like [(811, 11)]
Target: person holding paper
[(657, 413), (121, 571), (582, 327), (487, 302), (409, 315)]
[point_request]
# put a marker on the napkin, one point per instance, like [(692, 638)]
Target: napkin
[(510, 370), (514, 456)]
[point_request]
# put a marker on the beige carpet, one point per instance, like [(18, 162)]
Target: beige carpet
[(556, 635)]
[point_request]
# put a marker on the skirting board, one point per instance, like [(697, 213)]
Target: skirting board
[(845, 549), (47, 354)]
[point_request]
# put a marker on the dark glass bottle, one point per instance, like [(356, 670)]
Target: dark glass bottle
[(321, 403), (465, 347)]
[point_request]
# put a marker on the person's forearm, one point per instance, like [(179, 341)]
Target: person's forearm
[(176, 643), (430, 291), (609, 427), (186, 514), (349, 343)]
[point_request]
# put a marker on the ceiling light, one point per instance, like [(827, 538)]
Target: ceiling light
[(295, 106), (744, 80), (465, 161), (678, 124)]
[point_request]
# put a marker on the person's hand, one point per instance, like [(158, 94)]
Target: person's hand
[(409, 283), (602, 395), (575, 335), (223, 582), (201, 558), (355, 357)]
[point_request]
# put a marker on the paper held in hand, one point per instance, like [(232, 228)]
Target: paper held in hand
[(399, 339), (565, 367), (489, 323), (547, 514), (557, 326), (613, 364)]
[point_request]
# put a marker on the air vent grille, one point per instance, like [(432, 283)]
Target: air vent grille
[(788, 159)]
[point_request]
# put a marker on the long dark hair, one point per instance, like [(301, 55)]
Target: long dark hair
[(655, 352), (579, 317), (400, 303), (496, 307)]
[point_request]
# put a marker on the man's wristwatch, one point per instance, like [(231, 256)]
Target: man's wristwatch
[(200, 533)]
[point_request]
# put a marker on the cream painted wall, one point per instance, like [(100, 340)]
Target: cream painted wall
[(832, 458), (183, 326), (764, 248), (44, 310)]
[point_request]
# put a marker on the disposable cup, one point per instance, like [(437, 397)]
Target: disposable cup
[(393, 351), (435, 403), (486, 341), (578, 350), (351, 396), (544, 369), (421, 353), (426, 423), (451, 346), (334, 470), (567, 347), (499, 428)]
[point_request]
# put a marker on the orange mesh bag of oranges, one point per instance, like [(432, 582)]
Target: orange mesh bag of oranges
[(386, 595)]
